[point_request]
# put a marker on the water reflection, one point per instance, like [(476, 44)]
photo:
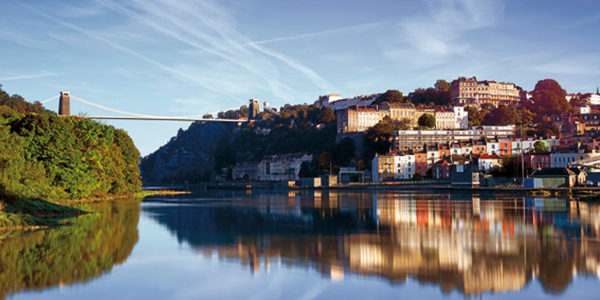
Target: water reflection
[(464, 242), (89, 247)]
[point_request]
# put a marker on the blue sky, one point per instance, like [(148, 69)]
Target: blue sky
[(190, 57)]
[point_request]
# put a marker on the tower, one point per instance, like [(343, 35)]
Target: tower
[(64, 104), (253, 109)]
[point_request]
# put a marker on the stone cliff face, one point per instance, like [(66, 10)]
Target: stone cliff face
[(189, 156)]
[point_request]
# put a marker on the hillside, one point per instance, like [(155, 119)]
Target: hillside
[(189, 156), (205, 150), (45, 157)]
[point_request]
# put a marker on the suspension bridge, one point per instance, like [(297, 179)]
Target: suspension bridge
[(64, 109)]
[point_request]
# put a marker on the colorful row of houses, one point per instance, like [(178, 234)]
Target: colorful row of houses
[(436, 161)]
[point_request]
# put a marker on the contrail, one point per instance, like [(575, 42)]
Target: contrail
[(357, 28), (27, 76)]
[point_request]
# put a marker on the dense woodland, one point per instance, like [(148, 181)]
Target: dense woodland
[(43, 156)]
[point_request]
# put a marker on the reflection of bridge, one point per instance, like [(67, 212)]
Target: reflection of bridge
[(64, 109)]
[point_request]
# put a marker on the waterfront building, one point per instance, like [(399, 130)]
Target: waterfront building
[(245, 171), (487, 162), (552, 178), (536, 160), (407, 140), (464, 174), (470, 91), (441, 169), (570, 158), (281, 167), (393, 167)]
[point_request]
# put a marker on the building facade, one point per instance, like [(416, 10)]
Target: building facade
[(416, 140), (361, 118), (470, 91), (393, 167)]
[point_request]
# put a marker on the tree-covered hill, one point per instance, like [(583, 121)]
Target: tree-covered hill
[(44, 156), (204, 150)]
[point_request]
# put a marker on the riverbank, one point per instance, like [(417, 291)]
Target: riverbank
[(406, 186), (34, 214)]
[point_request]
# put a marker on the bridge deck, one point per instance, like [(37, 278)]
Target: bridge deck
[(173, 119)]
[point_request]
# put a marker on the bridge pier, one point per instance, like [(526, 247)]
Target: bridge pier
[(64, 104)]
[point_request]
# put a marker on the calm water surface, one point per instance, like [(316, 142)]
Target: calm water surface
[(307, 245)]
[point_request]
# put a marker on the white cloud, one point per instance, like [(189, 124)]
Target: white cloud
[(209, 28), (439, 34)]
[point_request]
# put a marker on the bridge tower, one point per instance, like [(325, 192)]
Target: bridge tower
[(64, 104), (253, 109)]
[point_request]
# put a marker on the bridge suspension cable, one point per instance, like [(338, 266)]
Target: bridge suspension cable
[(137, 116), (106, 108), (48, 99)]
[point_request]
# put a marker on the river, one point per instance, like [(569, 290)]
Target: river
[(313, 245)]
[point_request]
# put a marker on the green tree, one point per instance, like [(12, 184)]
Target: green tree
[(427, 121), (44, 156), (390, 96), (549, 98), (379, 138), (442, 85), (540, 147), (502, 115), (344, 152), (476, 115), (326, 115)]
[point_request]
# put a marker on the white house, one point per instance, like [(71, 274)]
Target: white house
[(566, 159), (406, 166), (461, 117), (281, 167), (487, 162), (493, 147), (393, 167)]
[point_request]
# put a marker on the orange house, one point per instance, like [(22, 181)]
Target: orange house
[(444, 151), (479, 147), (505, 147), (421, 163)]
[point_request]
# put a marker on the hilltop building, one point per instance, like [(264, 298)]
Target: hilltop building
[(328, 100), (359, 119), (470, 91)]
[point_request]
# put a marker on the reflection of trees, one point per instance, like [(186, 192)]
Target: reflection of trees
[(458, 243), (69, 254)]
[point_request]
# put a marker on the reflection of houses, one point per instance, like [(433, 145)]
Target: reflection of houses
[(452, 240)]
